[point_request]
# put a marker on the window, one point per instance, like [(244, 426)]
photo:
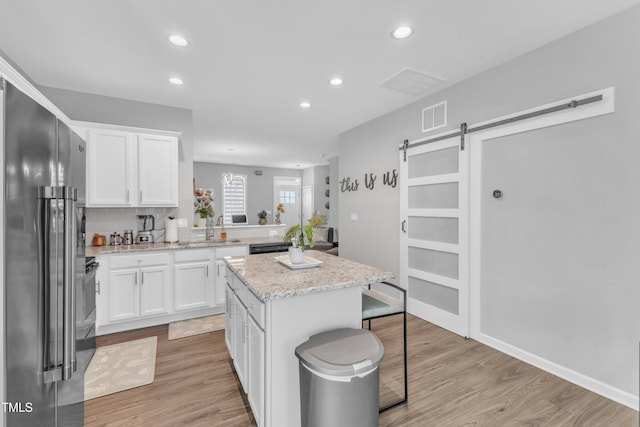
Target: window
[(287, 197), (234, 198)]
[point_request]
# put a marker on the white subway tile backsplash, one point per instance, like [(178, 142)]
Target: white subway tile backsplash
[(106, 221)]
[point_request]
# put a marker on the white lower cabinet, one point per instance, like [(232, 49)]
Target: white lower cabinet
[(228, 319), (221, 282), (255, 370), (240, 327), (193, 279), (245, 339), (138, 287), (147, 288)]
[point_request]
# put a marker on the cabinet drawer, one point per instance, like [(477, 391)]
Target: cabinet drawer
[(236, 284), (138, 260), (188, 255), (229, 278), (254, 306), (232, 251)]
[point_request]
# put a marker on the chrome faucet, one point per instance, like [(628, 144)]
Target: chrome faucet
[(210, 232)]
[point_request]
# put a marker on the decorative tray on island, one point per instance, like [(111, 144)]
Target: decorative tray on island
[(307, 262)]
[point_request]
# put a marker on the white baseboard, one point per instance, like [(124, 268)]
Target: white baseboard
[(155, 321), (603, 389)]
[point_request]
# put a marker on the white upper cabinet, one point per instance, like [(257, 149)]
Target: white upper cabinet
[(129, 167), (157, 170), (111, 160)]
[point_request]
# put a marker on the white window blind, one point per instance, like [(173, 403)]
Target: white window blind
[(234, 198)]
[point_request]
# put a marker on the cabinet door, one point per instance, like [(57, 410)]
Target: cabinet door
[(229, 319), (157, 170), (221, 282), (192, 287), (154, 290), (255, 370), (240, 327), (110, 163), (124, 296)]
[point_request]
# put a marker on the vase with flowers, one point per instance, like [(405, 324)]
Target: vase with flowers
[(279, 210), (262, 217), (203, 206), (297, 235)]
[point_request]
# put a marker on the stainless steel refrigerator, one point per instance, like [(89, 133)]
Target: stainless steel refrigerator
[(44, 184)]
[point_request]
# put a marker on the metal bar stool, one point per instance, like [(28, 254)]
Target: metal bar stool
[(375, 305)]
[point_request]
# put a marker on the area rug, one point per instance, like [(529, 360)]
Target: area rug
[(119, 367), (200, 325)]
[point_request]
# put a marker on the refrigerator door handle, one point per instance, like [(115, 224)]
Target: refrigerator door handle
[(46, 196), (70, 196)]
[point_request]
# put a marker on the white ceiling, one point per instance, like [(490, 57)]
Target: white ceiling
[(251, 62)]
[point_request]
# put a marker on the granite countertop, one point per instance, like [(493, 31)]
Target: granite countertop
[(161, 246), (269, 280)]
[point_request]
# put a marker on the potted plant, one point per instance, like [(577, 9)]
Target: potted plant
[(262, 217), (203, 206), (296, 235), (280, 210)]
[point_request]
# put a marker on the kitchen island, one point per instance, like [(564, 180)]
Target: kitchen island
[(271, 309)]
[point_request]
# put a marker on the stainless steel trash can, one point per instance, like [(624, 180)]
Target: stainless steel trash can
[(339, 378)]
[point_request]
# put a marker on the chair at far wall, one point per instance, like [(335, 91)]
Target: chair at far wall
[(377, 304)]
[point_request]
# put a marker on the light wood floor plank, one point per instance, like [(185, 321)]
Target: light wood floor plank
[(452, 382)]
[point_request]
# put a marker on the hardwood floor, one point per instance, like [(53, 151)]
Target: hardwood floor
[(452, 382)]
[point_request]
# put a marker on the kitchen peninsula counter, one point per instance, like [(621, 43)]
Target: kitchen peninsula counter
[(268, 279), (271, 309)]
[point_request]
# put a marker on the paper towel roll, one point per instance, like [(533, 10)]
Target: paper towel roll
[(171, 234)]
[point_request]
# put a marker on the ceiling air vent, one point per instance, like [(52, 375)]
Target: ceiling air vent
[(410, 81), (434, 117)]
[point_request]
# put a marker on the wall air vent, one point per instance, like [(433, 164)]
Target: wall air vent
[(434, 117), (410, 81)]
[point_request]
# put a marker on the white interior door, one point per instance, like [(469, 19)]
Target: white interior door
[(553, 280), (307, 203), (286, 190), (434, 238)]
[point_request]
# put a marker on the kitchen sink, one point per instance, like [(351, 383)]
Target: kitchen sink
[(206, 243)]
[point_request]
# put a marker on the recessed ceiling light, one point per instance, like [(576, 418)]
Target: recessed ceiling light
[(402, 32), (178, 40), (176, 81), (336, 81), (305, 104)]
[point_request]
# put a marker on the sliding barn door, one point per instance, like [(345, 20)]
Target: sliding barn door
[(434, 243)]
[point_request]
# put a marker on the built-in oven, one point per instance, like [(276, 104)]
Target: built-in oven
[(87, 335)]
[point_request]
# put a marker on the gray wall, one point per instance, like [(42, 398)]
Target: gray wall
[(319, 188), (259, 188), (599, 56), (333, 196), (115, 111)]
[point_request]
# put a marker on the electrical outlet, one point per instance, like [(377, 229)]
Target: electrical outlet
[(182, 222), (354, 216)]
